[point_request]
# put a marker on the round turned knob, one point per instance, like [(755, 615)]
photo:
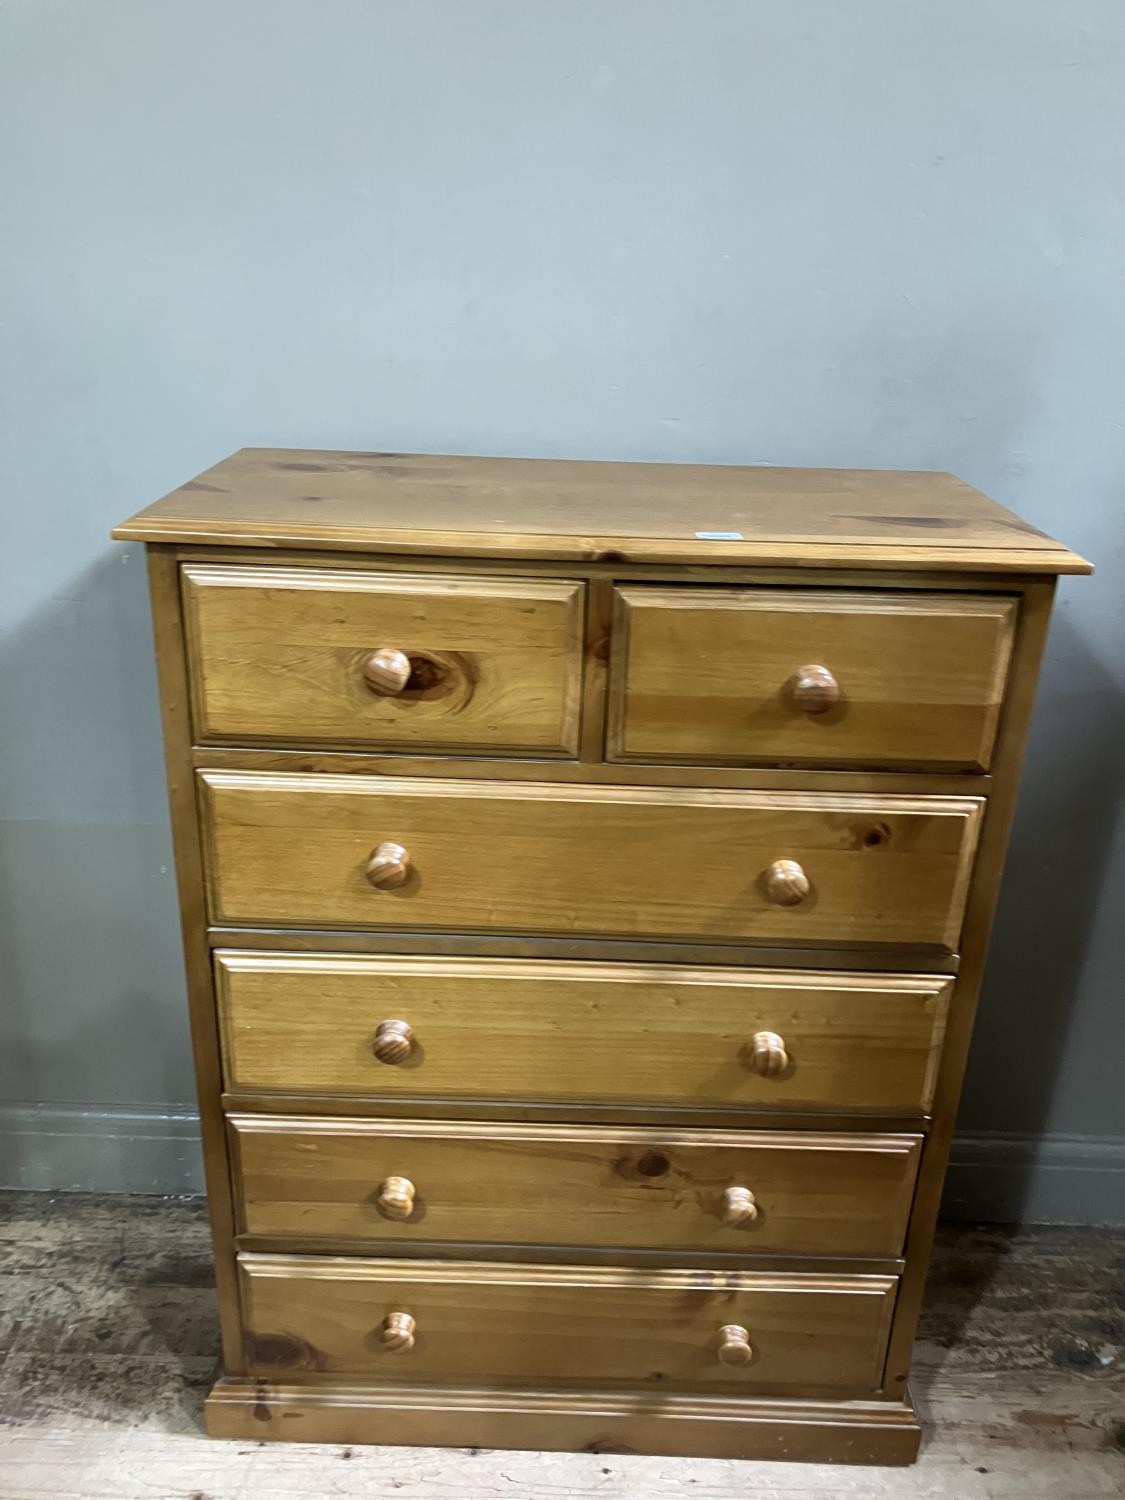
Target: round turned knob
[(388, 868), (739, 1207), (815, 690), (397, 1332), (387, 671), (768, 1056), (786, 883), (734, 1345), (394, 1042), (396, 1198)]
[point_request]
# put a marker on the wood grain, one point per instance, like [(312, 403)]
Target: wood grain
[(769, 1054), (554, 1185), (1031, 641), (396, 1333), (388, 868), (729, 676), (593, 1033), (284, 654), (786, 883), (593, 772), (172, 675), (904, 959), (394, 502), (394, 1042), (291, 850), (600, 1428), (577, 1327), (735, 1345), (882, 576), (387, 671), (396, 1198), (473, 1002)]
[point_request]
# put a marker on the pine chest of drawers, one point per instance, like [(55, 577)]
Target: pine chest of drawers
[(586, 874)]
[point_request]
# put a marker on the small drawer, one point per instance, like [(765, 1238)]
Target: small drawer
[(551, 1185), (585, 1327), (794, 677), (785, 868), (495, 1029), (328, 657)]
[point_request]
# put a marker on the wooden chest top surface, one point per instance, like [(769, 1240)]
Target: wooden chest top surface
[(621, 512)]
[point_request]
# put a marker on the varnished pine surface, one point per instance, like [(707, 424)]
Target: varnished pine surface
[(591, 772), (577, 1327), (584, 1033), (799, 1193), (543, 858), (1031, 638), (279, 655), (516, 508), (714, 675), (904, 959), (791, 883), (175, 692)]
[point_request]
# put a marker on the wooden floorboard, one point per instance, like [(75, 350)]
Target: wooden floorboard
[(108, 1343)]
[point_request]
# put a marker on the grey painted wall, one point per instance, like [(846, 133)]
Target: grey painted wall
[(886, 233)]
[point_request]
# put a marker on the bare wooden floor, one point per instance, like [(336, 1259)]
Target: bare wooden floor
[(107, 1343)]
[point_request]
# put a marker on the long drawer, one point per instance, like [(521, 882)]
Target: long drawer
[(795, 868), (496, 1029), (581, 1327), (843, 677), (554, 1185), (329, 656)]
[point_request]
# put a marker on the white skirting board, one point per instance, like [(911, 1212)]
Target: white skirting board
[(993, 1178)]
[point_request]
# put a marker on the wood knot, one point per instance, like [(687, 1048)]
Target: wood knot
[(283, 1351), (435, 675), (878, 833)]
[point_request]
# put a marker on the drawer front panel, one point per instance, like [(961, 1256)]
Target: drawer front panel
[(293, 850), (581, 1327), (549, 1185), (725, 676), (495, 1029), (283, 655)]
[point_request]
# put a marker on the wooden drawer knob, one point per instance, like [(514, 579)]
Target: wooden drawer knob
[(387, 671), (389, 867), (396, 1198), (394, 1042), (768, 1056), (815, 690), (734, 1345), (397, 1332), (786, 883), (739, 1206)]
